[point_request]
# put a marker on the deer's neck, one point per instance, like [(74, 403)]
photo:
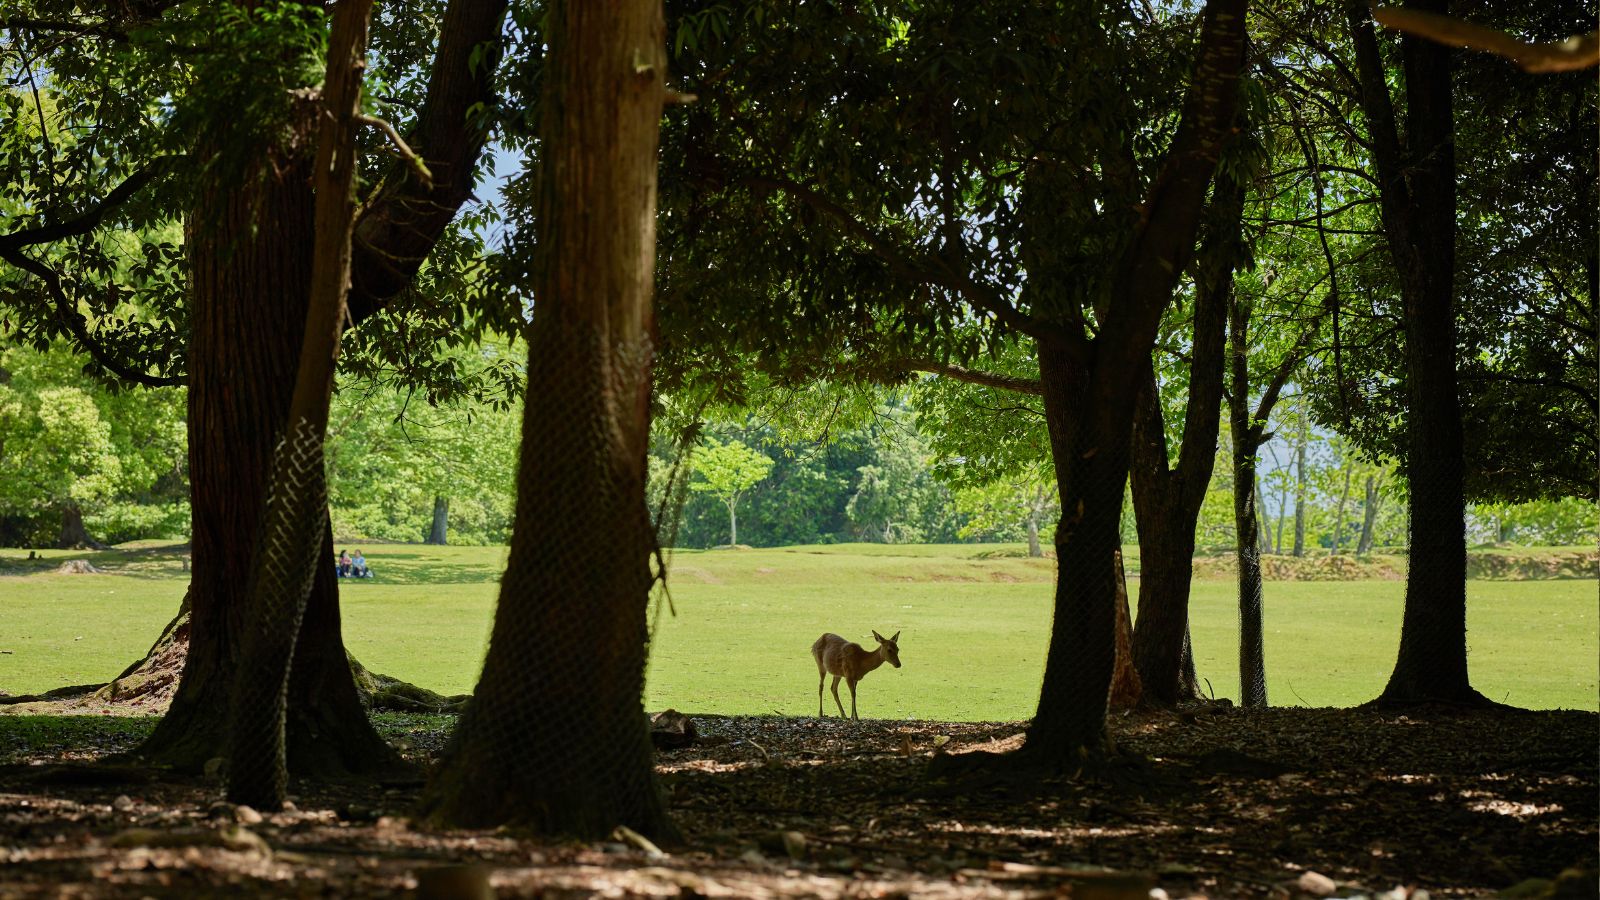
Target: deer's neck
[(872, 660)]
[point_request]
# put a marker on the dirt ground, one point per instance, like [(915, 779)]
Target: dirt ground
[(1226, 803)]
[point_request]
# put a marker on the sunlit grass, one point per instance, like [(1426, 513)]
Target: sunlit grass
[(973, 641)]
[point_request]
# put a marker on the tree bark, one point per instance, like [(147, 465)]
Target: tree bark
[(400, 226), (74, 535), (439, 530), (1283, 509), (1089, 406), (1417, 205), (555, 738), (288, 555), (249, 283), (1126, 690), (1167, 501), (250, 267), (1247, 431)]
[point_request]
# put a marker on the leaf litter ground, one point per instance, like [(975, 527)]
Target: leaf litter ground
[(1222, 803)]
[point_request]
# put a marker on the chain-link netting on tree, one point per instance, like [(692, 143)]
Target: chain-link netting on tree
[(1432, 660), (1093, 449), (288, 553), (554, 738)]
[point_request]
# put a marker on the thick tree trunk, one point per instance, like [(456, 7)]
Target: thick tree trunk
[(1091, 469), (1417, 204), (439, 530), (555, 737), (1369, 517), (249, 281), (289, 555), (74, 536)]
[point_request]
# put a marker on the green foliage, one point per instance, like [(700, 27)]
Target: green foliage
[(1002, 510), (1569, 520), (897, 500), (727, 470), (389, 457), (65, 441)]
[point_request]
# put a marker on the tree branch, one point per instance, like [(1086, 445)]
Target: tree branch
[(1580, 51), (974, 376), (75, 323), (918, 268), (97, 29), (405, 217), (1286, 367), (418, 167), (91, 218)]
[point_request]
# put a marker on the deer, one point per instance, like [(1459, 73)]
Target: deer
[(842, 659)]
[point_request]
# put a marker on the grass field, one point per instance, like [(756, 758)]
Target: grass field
[(973, 639)]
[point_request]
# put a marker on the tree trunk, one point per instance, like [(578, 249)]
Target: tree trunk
[(1188, 680), (249, 283), (1369, 517), (1338, 520), (74, 536), (1247, 432), (439, 530), (247, 295), (1034, 550), (289, 555), (1300, 486), (1167, 501), (733, 524), (555, 738), (1417, 205), (1070, 723), (1126, 690)]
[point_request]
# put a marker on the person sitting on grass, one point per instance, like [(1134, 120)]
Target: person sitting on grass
[(359, 565), (344, 563)]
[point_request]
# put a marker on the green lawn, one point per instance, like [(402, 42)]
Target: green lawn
[(973, 628)]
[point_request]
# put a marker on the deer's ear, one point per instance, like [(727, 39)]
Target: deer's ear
[(895, 638), (878, 636)]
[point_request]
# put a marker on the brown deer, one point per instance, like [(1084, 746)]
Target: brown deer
[(842, 659)]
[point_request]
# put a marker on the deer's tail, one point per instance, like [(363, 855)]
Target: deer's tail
[(816, 652)]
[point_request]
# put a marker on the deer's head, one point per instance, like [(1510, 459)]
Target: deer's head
[(891, 650)]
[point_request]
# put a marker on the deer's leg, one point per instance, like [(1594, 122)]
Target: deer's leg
[(821, 677), (853, 715), (835, 688)]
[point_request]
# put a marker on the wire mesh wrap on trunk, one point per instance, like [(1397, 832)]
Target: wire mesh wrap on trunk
[(555, 737), (1092, 471), (290, 549), (1432, 659)]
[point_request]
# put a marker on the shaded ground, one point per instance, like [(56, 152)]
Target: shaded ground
[(1232, 803)]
